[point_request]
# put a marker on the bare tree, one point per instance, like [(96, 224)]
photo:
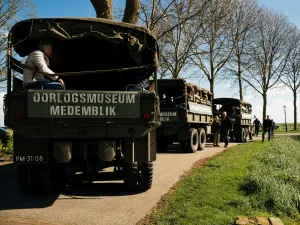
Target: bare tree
[(269, 53), (291, 77), (9, 11), (241, 33), (132, 11), (103, 8), (173, 22), (176, 45), (212, 51)]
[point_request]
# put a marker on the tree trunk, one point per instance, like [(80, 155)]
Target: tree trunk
[(240, 82), (264, 106), (132, 11), (103, 9), (295, 110), (212, 86)]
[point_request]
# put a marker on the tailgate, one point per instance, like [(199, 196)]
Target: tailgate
[(169, 115), (83, 104)]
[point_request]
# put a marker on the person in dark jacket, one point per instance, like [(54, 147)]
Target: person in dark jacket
[(257, 126), (267, 127), (272, 129), (226, 126), (216, 128)]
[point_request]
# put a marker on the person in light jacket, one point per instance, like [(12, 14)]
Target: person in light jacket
[(38, 60)]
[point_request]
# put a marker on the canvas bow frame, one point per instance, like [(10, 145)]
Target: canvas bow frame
[(138, 45), (18, 66)]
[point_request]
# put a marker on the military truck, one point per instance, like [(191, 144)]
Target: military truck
[(186, 114), (104, 118), (240, 113)]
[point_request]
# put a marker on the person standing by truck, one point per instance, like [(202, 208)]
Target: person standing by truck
[(257, 126), (216, 128), (272, 129), (226, 125), (267, 126)]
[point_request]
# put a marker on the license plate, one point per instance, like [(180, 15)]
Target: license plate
[(29, 158)]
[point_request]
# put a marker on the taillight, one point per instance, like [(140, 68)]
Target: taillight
[(20, 115), (146, 115)]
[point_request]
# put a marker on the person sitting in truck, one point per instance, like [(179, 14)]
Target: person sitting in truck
[(38, 60)]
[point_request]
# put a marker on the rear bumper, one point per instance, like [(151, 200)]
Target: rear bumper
[(101, 131)]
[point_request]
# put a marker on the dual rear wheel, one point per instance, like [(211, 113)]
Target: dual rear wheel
[(196, 140), (138, 176)]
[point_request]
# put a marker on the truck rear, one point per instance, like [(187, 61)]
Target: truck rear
[(99, 121), (183, 119)]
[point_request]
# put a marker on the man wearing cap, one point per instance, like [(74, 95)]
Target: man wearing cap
[(38, 60)]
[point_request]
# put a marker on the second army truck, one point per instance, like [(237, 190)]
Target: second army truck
[(240, 113), (103, 119), (186, 114)]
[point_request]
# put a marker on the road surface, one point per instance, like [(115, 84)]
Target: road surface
[(97, 202)]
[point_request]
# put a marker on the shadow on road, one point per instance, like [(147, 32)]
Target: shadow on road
[(12, 198)]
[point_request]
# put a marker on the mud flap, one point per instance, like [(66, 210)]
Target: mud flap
[(140, 149)]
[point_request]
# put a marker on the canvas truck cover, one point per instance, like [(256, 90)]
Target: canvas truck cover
[(86, 44), (230, 101)]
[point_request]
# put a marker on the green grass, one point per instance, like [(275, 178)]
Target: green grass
[(290, 128), (252, 179), (8, 151)]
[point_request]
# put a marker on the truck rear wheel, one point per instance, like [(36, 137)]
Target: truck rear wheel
[(25, 179), (192, 145), (36, 179), (131, 176), (246, 134), (242, 139), (201, 139), (145, 175)]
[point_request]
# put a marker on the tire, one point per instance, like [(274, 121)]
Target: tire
[(246, 134), (201, 138), (192, 144), (25, 179), (131, 176), (145, 175), (250, 135), (43, 182), (36, 179), (242, 139)]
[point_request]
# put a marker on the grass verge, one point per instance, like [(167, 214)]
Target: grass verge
[(252, 179), (7, 152)]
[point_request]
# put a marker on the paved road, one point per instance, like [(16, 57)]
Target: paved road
[(97, 202)]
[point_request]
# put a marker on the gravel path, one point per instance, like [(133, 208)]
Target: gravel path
[(98, 202)]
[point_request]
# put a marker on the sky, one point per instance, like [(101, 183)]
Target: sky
[(276, 98)]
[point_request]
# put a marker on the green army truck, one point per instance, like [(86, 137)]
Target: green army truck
[(240, 113), (186, 114), (104, 118)]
